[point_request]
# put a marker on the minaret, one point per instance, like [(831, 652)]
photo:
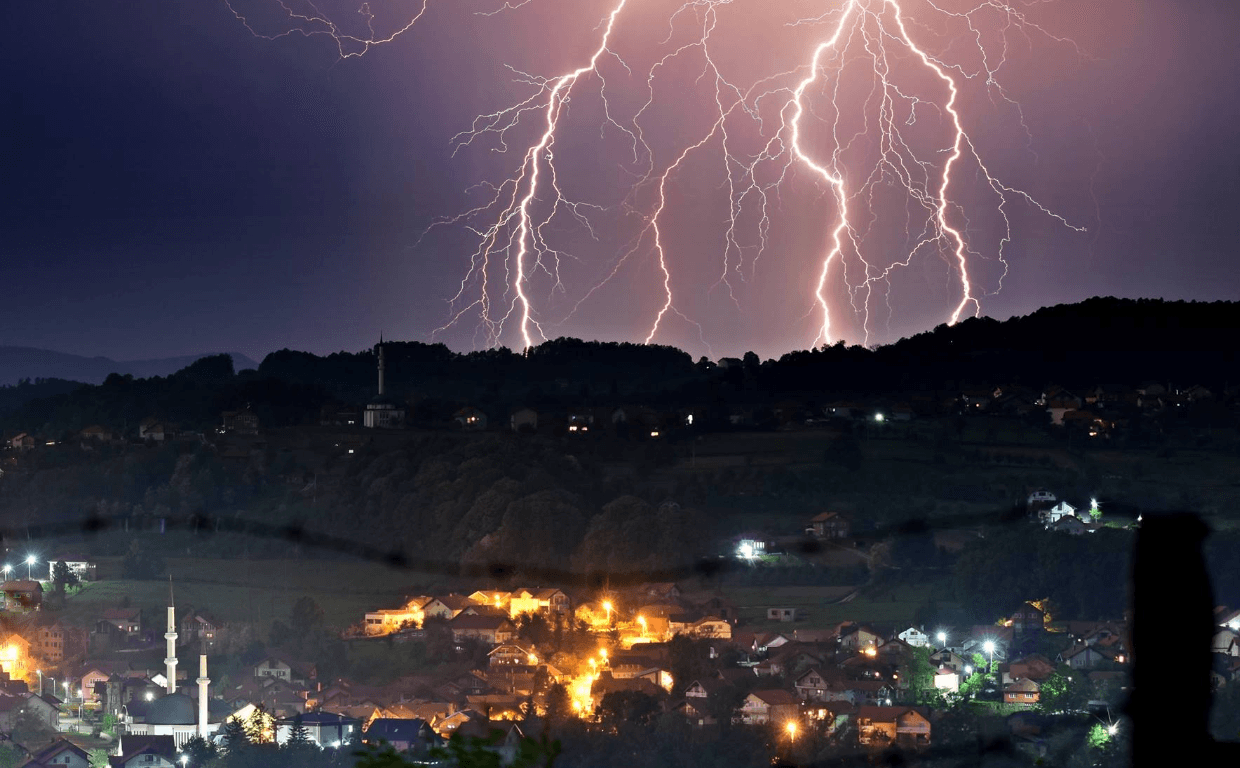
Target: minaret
[(203, 682), (171, 636), (380, 365)]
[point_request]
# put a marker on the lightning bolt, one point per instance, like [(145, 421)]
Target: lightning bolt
[(858, 149)]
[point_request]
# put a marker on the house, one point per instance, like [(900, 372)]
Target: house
[(61, 753), (538, 601), (488, 629), (884, 726), (511, 655), (710, 626), (96, 433), (22, 442), (816, 685), (1021, 691), (828, 525), (781, 614), (53, 641), (856, 637), (240, 422), (153, 429), (1039, 498), (45, 707), (949, 659), (285, 669), (1028, 619), (524, 420), (446, 607), (78, 565), (947, 680), (1070, 525), (390, 621), (915, 637), (22, 595), (1034, 667), (771, 706), (145, 752), (1085, 656), (1226, 642), (470, 419), (326, 729), (1056, 513), (204, 629), (127, 621)]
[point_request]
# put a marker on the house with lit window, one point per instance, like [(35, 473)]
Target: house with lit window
[(470, 419), (1021, 691), (899, 726), (772, 706), (22, 595)]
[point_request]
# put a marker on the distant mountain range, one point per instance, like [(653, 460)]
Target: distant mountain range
[(17, 363)]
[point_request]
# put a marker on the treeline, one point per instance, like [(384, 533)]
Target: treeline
[(1100, 341)]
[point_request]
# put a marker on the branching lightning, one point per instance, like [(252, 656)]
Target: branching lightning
[(874, 111)]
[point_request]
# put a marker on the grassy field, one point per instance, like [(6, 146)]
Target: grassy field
[(258, 591), (820, 606)]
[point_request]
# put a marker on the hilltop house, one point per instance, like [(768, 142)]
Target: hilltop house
[(828, 525)]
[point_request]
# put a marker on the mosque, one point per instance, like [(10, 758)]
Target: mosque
[(382, 412), (175, 714)]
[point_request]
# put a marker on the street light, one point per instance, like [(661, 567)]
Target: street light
[(6, 570), (989, 647), (791, 727), (30, 561), (607, 607), (942, 638)]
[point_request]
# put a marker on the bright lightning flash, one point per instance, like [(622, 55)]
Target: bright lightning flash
[(855, 143)]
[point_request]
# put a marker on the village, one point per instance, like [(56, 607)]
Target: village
[(546, 654)]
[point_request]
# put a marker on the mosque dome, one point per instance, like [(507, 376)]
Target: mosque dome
[(173, 709)]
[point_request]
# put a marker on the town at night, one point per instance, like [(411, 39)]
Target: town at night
[(642, 383)]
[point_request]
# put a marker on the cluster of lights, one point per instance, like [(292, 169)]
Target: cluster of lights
[(30, 561)]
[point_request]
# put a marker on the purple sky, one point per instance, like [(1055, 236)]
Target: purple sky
[(175, 184)]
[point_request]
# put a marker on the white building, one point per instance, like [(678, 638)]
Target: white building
[(915, 637)]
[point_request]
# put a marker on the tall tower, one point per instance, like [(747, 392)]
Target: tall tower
[(171, 636), (380, 350), (203, 682)]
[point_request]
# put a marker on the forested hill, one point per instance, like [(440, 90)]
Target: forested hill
[(1103, 341)]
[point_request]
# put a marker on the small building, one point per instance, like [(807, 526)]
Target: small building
[(488, 629), (470, 419), (915, 637), (524, 420), (61, 753), (772, 706), (78, 564), (22, 595), (285, 669), (884, 726), (414, 734), (1021, 691), (829, 525), (127, 621), (22, 442), (781, 614), (145, 752), (947, 680), (243, 422), (326, 729)]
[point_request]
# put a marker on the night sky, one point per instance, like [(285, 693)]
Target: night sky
[(175, 184)]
